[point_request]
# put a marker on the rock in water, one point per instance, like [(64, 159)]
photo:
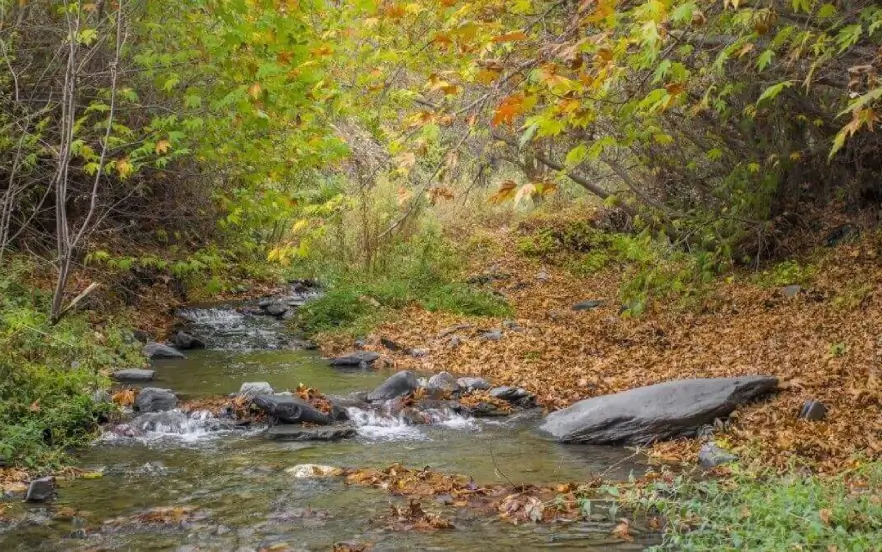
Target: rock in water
[(711, 456), (133, 375), (184, 341), (290, 410), (251, 389), (41, 490), (656, 412), (310, 471), (473, 384), (514, 395), (355, 358), (300, 433), (276, 309), (397, 385), (154, 399), (443, 382), (158, 350)]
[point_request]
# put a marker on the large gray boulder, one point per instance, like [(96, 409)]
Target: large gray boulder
[(288, 409), (133, 375), (656, 412), (158, 350), (154, 399), (397, 385)]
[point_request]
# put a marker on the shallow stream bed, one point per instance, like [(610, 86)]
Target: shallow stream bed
[(231, 492)]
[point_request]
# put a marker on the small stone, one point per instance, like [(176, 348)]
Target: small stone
[(355, 358), (512, 394), (41, 490), (455, 341), (101, 396), (710, 456), (473, 384), (184, 341), (443, 382), (543, 276), (251, 389), (276, 308), (158, 350), (142, 336), (133, 375), (791, 291), (310, 471), (154, 399), (417, 353), (589, 304), (492, 335), (512, 325), (389, 344), (813, 411)]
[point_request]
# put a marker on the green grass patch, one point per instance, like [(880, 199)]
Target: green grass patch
[(770, 512), (49, 374), (427, 273)]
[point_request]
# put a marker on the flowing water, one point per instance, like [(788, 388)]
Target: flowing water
[(231, 488)]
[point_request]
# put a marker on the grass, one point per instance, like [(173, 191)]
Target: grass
[(769, 512), (426, 273), (49, 374)]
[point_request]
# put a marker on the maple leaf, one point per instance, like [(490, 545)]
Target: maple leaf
[(506, 191), (162, 146), (508, 109), (126, 397), (510, 37), (622, 530)]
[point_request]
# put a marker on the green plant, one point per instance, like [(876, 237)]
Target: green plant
[(786, 273), (757, 511), (49, 374)]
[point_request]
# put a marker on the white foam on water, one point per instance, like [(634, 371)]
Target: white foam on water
[(381, 425), (171, 426)]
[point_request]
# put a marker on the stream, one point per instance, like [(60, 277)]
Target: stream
[(236, 494)]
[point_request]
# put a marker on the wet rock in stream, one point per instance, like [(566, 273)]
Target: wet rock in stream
[(158, 350), (41, 490), (154, 399), (401, 383), (251, 389), (290, 410), (185, 341), (355, 358), (301, 433)]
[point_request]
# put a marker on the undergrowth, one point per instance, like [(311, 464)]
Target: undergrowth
[(49, 374), (752, 511), (653, 268), (425, 272)]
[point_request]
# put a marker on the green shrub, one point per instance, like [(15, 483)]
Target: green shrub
[(48, 374)]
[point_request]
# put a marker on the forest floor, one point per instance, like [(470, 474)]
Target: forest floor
[(824, 343)]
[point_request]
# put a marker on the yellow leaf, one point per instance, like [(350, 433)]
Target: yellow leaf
[(254, 90), (162, 146), (124, 167), (506, 191)]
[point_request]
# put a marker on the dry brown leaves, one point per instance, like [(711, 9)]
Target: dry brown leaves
[(824, 344), (413, 518), (314, 397), (124, 397)]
